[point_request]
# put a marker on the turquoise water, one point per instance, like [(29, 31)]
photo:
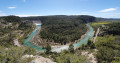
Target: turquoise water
[(39, 48), (87, 37), (27, 43)]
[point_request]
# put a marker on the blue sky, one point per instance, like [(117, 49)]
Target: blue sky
[(98, 8)]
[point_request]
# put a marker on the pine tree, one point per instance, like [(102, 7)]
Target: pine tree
[(48, 49), (71, 48)]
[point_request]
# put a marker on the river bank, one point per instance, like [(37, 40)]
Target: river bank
[(27, 43), (77, 44), (59, 48)]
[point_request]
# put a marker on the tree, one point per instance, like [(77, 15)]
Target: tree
[(48, 49), (68, 60), (83, 47), (105, 55), (107, 50), (71, 48), (91, 44)]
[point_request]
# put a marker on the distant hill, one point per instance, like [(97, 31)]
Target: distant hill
[(112, 18), (85, 18)]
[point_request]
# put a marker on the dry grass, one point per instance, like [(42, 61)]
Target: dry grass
[(99, 23)]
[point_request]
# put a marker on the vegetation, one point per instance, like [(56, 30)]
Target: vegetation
[(71, 48), (72, 55), (67, 57), (108, 50), (99, 23), (113, 28), (15, 54), (89, 46), (59, 29), (48, 49), (64, 29), (70, 58), (108, 43), (13, 27)]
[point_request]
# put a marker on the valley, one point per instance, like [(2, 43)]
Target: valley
[(59, 39), (59, 31)]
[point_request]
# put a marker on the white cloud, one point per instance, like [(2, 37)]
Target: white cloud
[(26, 15), (108, 10), (11, 7), (2, 14)]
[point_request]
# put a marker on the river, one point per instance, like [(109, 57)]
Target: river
[(76, 45), (89, 34), (27, 43)]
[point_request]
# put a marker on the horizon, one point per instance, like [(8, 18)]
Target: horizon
[(58, 15), (26, 8)]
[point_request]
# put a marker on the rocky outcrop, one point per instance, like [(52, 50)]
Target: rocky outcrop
[(16, 42), (38, 59)]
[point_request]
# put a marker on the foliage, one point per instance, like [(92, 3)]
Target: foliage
[(83, 47), (64, 29), (99, 23), (71, 48), (12, 19), (13, 27), (105, 55), (14, 54), (117, 60), (69, 58), (108, 44), (112, 28), (107, 49), (102, 41), (90, 44), (48, 49), (96, 25)]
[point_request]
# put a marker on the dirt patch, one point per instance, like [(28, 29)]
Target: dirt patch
[(89, 56), (38, 59)]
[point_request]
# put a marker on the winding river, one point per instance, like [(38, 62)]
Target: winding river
[(27, 43), (89, 34), (77, 44)]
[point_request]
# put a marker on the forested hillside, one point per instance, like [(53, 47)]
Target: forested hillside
[(64, 29), (83, 18), (108, 42), (61, 28), (13, 27)]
